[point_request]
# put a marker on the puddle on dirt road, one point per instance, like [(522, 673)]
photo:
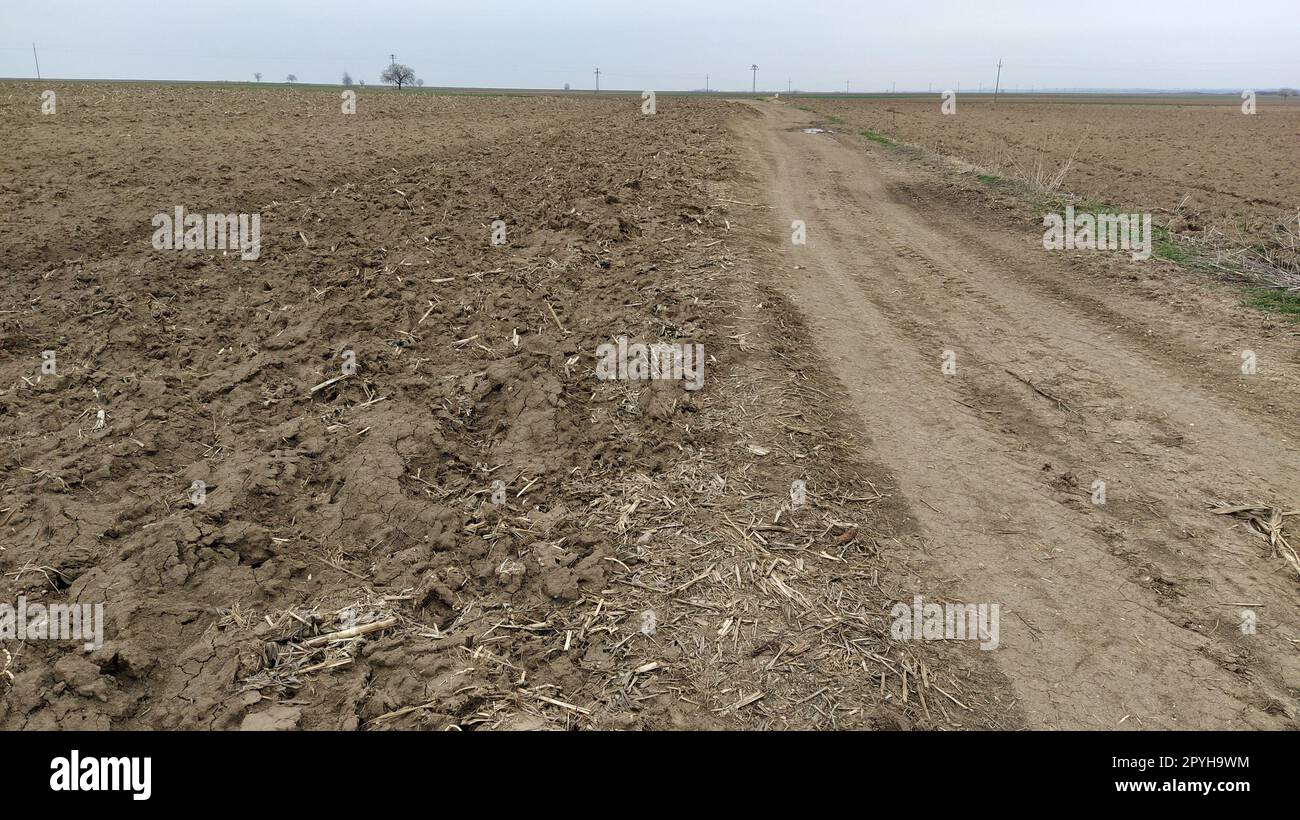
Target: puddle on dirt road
[(817, 131)]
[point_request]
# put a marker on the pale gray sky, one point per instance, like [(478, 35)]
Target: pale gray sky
[(668, 44)]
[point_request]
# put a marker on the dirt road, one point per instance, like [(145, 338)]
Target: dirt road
[(1123, 614)]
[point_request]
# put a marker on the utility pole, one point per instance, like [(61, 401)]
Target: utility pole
[(392, 59), (846, 86), (38, 61), (789, 85), (598, 81), (999, 82), (754, 68), (706, 83)]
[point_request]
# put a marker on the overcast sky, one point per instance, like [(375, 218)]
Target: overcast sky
[(817, 45)]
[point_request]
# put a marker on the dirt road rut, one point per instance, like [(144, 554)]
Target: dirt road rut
[(1122, 614)]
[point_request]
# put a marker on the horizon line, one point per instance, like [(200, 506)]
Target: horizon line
[(696, 91)]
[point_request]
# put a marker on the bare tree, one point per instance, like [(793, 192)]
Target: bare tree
[(257, 76), (1288, 92), (347, 78), (399, 75), (292, 78), (419, 83)]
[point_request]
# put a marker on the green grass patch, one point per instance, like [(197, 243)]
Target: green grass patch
[(1166, 247), (1275, 301), (1171, 252), (880, 138)]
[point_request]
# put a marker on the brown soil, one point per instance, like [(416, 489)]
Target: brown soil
[(369, 501), (1200, 165), (1125, 614)]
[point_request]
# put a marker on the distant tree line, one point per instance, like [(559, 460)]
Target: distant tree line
[(397, 74)]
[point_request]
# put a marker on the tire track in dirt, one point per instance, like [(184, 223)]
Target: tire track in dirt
[(1113, 615)]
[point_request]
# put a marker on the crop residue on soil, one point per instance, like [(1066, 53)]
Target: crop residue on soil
[(355, 562)]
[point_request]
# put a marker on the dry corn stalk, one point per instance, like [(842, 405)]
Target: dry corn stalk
[(1268, 523)]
